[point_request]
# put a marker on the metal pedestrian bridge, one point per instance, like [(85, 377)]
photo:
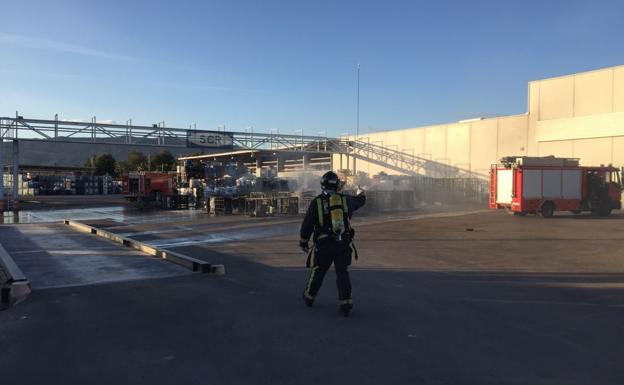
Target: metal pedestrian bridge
[(18, 129)]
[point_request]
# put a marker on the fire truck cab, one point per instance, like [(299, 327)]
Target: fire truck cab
[(543, 185)]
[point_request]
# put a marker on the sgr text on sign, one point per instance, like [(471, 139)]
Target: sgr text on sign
[(209, 139)]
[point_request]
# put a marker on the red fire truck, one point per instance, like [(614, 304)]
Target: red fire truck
[(543, 185), (145, 187)]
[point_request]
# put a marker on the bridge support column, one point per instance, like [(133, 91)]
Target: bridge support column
[(15, 174), (258, 166), (1, 171), (279, 163)]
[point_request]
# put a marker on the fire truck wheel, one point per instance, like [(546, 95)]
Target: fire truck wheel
[(547, 210)]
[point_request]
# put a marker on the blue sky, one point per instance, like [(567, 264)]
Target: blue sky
[(291, 64)]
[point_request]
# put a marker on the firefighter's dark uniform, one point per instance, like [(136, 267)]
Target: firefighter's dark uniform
[(328, 248)]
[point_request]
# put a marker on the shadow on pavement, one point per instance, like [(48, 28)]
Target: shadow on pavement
[(250, 326)]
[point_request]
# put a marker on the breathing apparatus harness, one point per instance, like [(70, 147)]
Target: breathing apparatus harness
[(333, 221)]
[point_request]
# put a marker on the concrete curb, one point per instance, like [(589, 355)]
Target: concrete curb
[(14, 286), (190, 263)]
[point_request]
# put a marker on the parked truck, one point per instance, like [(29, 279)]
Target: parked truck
[(147, 188), (543, 185)]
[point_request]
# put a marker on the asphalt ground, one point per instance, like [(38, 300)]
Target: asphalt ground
[(481, 298)]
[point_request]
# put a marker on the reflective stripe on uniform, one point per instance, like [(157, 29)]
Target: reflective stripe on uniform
[(319, 209), (345, 208), (307, 290)]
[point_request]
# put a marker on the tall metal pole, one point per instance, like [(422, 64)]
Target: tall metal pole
[(15, 171), (1, 166), (357, 127)]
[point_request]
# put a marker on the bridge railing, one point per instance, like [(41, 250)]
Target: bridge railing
[(404, 161), (159, 135)]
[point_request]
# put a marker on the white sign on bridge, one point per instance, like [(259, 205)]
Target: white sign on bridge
[(210, 139)]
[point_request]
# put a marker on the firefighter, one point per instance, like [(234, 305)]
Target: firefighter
[(328, 218)]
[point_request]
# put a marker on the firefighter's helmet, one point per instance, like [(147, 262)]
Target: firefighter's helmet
[(330, 181)]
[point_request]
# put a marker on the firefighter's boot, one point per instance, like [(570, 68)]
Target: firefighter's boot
[(309, 300), (346, 306)]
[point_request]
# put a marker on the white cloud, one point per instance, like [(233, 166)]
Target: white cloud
[(56, 46)]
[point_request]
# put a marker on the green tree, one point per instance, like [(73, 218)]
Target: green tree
[(121, 168), (137, 161), (103, 164), (163, 161)]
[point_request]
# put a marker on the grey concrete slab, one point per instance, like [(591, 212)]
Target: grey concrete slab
[(52, 255)]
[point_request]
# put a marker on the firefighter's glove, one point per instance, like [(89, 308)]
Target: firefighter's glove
[(303, 244)]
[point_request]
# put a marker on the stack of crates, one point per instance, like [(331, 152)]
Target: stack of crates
[(288, 205), (86, 185), (57, 184), (80, 187), (7, 181), (107, 185), (220, 205), (70, 184), (217, 205), (24, 186), (90, 185), (304, 200)]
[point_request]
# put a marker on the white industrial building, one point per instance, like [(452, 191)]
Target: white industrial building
[(579, 116)]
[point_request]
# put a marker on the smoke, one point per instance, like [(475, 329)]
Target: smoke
[(396, 193), (303, 181)]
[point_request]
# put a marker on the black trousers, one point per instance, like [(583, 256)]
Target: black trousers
[(329, 251)]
